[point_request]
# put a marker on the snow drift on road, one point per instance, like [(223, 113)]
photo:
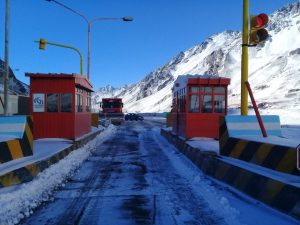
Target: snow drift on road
[(19, 201)]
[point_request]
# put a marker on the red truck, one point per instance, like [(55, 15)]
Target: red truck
[(112, 109)]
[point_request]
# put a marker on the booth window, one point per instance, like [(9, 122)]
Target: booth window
[(79, 103), (206, 89), (180, 100), (79, 100), (183, 100), (219, 99), (219, 103), (194, 103), (52, 102), (66, 102), (194, 89), (219, 90), (175, 102), (88, 102), (206, 103)]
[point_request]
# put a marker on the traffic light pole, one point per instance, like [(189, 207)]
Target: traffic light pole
[(70, 47), (244, 64)]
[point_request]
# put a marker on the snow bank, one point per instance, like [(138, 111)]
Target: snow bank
[(19, 202)]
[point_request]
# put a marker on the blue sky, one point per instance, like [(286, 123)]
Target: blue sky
[(121, 52)]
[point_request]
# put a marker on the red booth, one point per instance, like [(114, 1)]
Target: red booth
[(198, 103), (60, 105)]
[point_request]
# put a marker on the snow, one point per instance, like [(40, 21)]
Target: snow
[(217, 202), (236, 211), (274, 78), (291, 132), (291, 138), (205, 144), (43, 149), (19, 201), (7, 137), (271, 140)]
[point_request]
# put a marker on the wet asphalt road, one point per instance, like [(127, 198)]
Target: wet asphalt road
[(128, 180)]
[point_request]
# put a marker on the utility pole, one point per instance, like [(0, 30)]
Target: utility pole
[(6, 68)]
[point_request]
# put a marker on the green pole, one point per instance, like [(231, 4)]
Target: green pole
[(70, 47)]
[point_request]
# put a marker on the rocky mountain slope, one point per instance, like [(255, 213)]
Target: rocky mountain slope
[(16, 86), (274, 70)]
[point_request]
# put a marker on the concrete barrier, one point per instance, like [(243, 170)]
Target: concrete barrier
[(16, 133), (28, 172), (273, 192), (248, 125), (272, 152)]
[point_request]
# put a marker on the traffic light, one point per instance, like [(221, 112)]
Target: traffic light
[(42, 44), (258, 33)]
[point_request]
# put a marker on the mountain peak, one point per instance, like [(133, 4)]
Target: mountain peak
[(273, 69)]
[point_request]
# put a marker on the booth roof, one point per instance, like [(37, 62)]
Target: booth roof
[(182, 80), (80, 80)]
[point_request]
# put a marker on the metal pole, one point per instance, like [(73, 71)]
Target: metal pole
[(89, 51), (89, 23), (244, 66), (70, 47), (6, 78), (260, 122), (75, 49)]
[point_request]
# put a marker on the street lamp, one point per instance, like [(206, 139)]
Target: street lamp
[(89, 24)]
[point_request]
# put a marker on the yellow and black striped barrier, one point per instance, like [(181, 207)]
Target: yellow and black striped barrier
[(18, 141), (277, 157), (28, 172), (275, 193)]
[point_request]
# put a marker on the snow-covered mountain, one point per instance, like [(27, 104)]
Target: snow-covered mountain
[(16, 86), (274, 70)]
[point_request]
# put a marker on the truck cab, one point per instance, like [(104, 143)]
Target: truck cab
[(112, 110), (111, 105)]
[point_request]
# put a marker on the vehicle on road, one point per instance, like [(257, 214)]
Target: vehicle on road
[(112, 109), (133, 116)]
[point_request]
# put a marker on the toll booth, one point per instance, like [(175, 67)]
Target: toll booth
[(60, 105), (198, 103)]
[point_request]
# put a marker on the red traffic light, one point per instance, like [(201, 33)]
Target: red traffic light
[(259, 21), (257, 32)]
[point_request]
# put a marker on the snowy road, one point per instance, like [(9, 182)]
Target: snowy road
[(136, 177)]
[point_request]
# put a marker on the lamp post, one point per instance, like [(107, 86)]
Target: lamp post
[(89, 24), (6, 64)]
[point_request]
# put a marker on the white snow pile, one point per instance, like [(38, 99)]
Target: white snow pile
[(20, 202)]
